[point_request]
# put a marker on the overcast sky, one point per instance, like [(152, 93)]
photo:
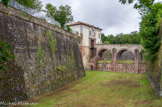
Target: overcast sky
[(110, 15)]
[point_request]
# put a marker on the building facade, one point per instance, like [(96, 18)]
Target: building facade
[(90, 36)]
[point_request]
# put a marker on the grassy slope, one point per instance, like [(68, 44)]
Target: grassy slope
[(103, 89)]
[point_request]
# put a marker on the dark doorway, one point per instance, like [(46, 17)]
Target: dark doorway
[(91, 67)]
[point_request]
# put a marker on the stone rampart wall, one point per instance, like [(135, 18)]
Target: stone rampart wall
[(46, 56)]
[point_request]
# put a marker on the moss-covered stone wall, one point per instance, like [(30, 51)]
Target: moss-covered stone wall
[(46, 57)]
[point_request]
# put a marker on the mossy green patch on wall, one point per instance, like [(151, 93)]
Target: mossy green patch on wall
[(25, 15), (102, 62), (40, 55), (5, 55), (61, 68), (126, 61), (72, 58), (51, 40)]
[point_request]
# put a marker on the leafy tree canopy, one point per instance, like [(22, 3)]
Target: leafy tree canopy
[(132, 38), (151, 17), (34, 4), (63, 14), (149, 32), (5, 2), (139, 3)]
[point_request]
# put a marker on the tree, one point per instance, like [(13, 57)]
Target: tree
[(139, 3), (34, 4), (68, 28), (103, 37), (132, 38), (151, 14), (106, 42), (149, 32), (5, 2), (63, 15), (50, 10)]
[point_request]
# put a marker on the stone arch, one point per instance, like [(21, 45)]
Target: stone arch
[(91, 67), (140, 56), (120, 52), (101, 52)]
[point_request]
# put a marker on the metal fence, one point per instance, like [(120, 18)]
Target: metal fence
[(41, 15)]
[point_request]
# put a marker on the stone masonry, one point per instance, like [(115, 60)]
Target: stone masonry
[(116, 51), (46, 57)]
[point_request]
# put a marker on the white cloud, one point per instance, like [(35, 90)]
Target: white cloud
[(110, 15)]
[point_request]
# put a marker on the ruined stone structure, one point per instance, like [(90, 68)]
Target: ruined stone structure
[(46, 57), (116, 51)]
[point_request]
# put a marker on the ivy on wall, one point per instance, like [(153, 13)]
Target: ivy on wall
[(51, 41), (40, 55), (72, 58), (5, 55)]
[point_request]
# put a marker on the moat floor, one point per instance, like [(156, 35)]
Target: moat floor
[(103, 89)]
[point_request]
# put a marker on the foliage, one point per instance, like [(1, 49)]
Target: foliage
[(51, 41), (149, 32), (68, 28), (72, 58), (151, 14), (142, 62), (126, 62), (50, 10), (63, 15), (132, 38), (106, 42), (25, 15), (5, 2), (145, 4), (61, 68), (102, 62), (108, 62), (34, 4), (5, 55), (40, 55)]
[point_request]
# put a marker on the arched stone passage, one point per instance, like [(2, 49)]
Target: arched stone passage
[(141, 56), (120, 54), (91, 66), (105, 54), (125, 55)]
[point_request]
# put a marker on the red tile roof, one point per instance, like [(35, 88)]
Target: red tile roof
[(83, 23)]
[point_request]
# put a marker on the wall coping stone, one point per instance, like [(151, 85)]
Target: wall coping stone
[(18, 14)]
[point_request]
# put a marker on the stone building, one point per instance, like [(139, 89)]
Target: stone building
[(89, 37)]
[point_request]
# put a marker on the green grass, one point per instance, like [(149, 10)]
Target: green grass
[(126, 61), (120, 62), (103, 89), (101, 62)]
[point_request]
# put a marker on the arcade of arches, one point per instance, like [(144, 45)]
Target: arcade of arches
[(118, 58)]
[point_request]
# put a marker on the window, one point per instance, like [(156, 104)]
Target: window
[(99, 35), (92, 32)]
